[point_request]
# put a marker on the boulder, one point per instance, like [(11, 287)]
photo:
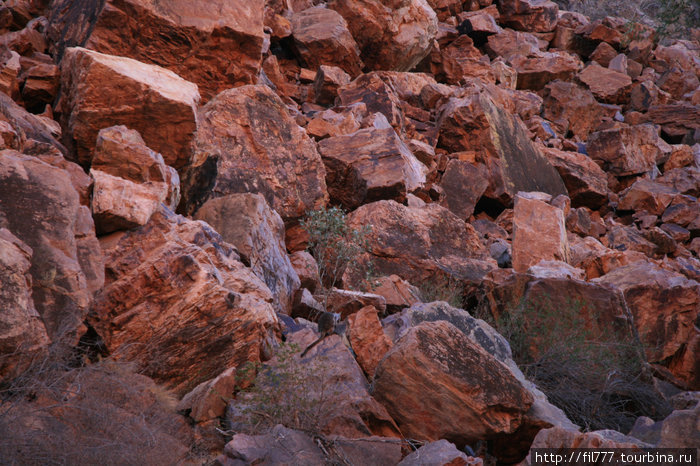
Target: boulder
[(9, 73), (321, 37), (391, 36), (306, 268), (626, 150), (248, 223), (154, 101), (529, 15), (247, 142), (437, 383), (678, 120), (585, 181), (460, 60), (208, 400), (607, 85), (328, 80), (28, 133), (39, 204), (684, 180), (347, 302), (370, 165), (539, 233), (509, 43), (379, 96), (558, 437), (463, 184), (280, 446), (571, 108), (368, 341), (440, 452), (646, 195), (40, 86), (680, 429), (215, 44), (22, 332), (536, 70), (397, 292), (180, 304)]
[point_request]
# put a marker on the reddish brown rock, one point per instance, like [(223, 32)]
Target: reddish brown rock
[(248, 223), (585, 181), (571, 108), (529, 15), (348, 302), (378, 95), (603, 54), (459, 60), (337, 121), (646, 94), (509, 43), (441, 452), (9, 73), (367, 338), (539, 233), (217, 45), (537, 69), (626, 150), (646, 195), (179, 303), (328, 80), (22, 332), (397, 292), (40, 86), (420, 243), (321, 37), (28, 133), (433, 394), (463, 184), (558, 437), (479, 25), (307, 270), (29, 40), (247, 142), (39, 204), (370, 165), (155, 102), (684, 180), (607, 85), (677, 120), (664, 304), (394, 36), (279, 446), (629, 238), (682, 155), (208, 400)]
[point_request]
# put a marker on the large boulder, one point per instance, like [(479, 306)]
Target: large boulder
[(367, 338), (626, 150), (26, 132), (180, 304), (215, 43), (585, 181), (393, 35), (463, 184), (247, 222), (370, 165), (571, 108), (440, 452), (539, 233), (40, 205), (154, 101), (438, 383), (607, 85), (537, 69), (247, 142), (529, 15)]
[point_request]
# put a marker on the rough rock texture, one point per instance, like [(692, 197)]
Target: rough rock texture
[(529, 15), (370, 165), (208, 400), (367, 339), (463, 184), (418, 243), (397, 292), (247, 222), (280, 446), (536, 69), (571, 108), (306, 268), (179, 303), (246, 142), (441, 452), (432, 393), (321, 37), (22, 331), (585, 181), (378, 94), (607, 85), (539, 233), (347, 302), (558, 437), (26, 132), (39, 205), (154, 101), (328, 80), (215, 43), (391, 36), (627, 150)]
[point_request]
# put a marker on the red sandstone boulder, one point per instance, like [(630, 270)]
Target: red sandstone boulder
[(41, 83), (328, 80), (321, 37), (463, 184), (247, 142), (348, 302), (217, 45), (392, 36), (28, 133), (179, 303), (536, 70), (585, 181), (646, 195), (529, 15), (248, 223), (509, 43), (369, 343), (155, 102), (459, 60), (379, 96), (370, 165), (607, 85), (558, 437), (306, 268), (571, 108), (626, 150), (397, 292), (678, 120)]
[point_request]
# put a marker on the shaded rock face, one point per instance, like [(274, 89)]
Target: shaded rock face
[(438, 384), (178, 302), (529, 15), (440, 452), (154, 101), (22, 331), (280, 446), (464, 184), (539, 233), (393, 35), (629, 150), (28, 133), (585, 181), (370, 165), (571, 108), (217, 44), (247, 142), (257, 232), (367, 338), (420, 243), (39, 204)]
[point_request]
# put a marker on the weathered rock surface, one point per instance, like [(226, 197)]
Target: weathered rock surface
[(280, 446), (178, 302), (370, 165), (368, 341), (22, 331), (154, 101), (626, 150), (247, 142), (328, 80), (607, 85), (463, 184), (347, 302), (321, 37), (397, 292), (216, 44), (539, 233), (529, 15), (39, 205), (432, 393), (647, 195), (306, 268), (440, 452), (393, 36), (536, 69), (571, 108), (585, 181), (28, 133), (247, 222), (208, 400), (558, 437)]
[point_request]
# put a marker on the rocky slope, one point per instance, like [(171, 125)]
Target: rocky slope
[(159, 158)]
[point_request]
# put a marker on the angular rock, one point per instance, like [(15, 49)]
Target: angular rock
[(179, 303), (217, 45), (306, 268), (369, 450), (32, 133), (9, 73), (438, 383), (247, 142), (607, 85), (558, 437), (280, 446), (247, 222), (539, 233), (321, 37), (585, 181), (306, 306), (461, 60), (328, 80), (536, 70), (40, 86), (367, 339), (629, 238), (529, 15), (684, 180), (646, 195), (22, 332), (626, 150), (39, 204), (463, 184), (378, 95), (677, 120), (509, 43), (370, 165), (397, 292), (603, 54), (156, 102), (393, 36), (208, 400), (347, 302), (440, 452), (571, 108)]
